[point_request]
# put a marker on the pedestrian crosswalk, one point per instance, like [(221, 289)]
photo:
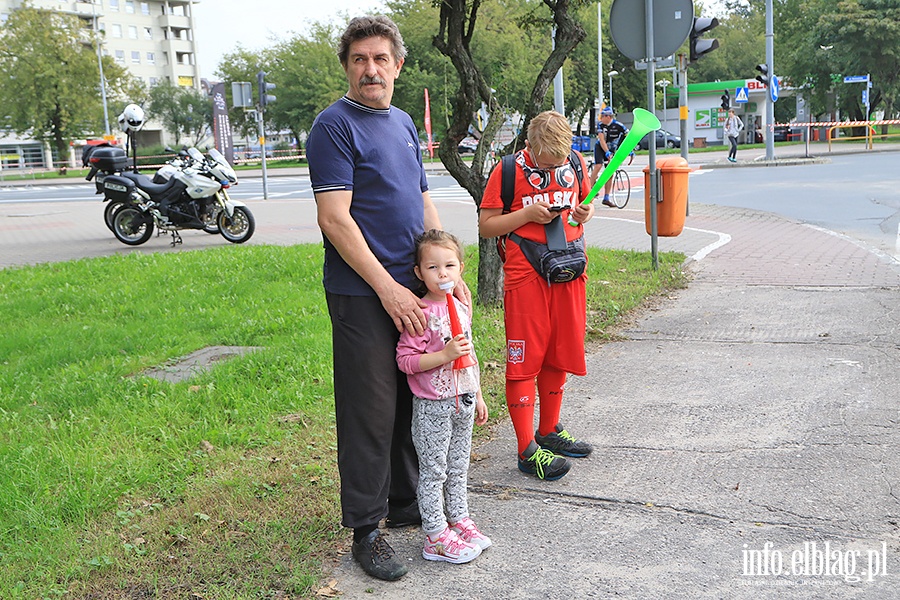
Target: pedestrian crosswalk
[(11, 189), (453, 194)]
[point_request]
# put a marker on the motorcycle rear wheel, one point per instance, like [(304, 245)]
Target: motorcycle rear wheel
[(109, 212), (238, 228), (132, 226)]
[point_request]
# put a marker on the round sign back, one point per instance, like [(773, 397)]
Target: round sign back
[(672, 23)]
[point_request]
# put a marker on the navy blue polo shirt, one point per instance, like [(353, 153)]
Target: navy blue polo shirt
[(375, 154)]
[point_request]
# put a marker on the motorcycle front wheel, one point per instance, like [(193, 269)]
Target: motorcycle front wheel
[(109, 212), (238, 228), (132, 226)]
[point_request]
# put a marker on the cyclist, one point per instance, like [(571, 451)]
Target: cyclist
[(610, 134)]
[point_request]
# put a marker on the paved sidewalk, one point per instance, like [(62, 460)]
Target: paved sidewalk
[(740, 425)]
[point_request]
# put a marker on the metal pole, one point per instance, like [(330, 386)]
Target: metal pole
[(600, 59), (770, 106), (262, 152), (610, 89), (651, 94), (868, 88), (683, 104), (96, 24)]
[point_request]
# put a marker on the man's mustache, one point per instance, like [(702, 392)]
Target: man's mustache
[(370, 80)]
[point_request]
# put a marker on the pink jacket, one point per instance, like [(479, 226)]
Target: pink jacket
[(440, 382)]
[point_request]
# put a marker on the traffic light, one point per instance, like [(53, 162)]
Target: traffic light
[(726, 100), (699, 47), (763, 76), (264, 96)]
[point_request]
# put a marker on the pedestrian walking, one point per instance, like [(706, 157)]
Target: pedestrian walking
[(733, 127)]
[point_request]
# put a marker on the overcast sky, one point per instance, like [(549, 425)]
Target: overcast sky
[(221, 24)]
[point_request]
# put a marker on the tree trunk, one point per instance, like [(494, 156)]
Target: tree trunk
[(490, 273), (458, 18)]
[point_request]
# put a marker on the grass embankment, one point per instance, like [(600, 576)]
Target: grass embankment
[(114, 484)]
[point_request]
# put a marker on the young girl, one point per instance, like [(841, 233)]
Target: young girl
[(446, 402)]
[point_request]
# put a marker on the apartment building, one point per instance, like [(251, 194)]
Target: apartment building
[(153, 39)]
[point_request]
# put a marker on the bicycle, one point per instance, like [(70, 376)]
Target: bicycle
[(620, 191)]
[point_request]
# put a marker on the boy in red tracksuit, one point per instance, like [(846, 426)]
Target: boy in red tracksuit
[(545, 322)]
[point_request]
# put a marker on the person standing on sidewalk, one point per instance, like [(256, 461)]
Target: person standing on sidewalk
[(545, 322), (733, 127), (372, 201), (446, 404)]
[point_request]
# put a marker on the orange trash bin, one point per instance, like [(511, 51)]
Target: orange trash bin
[(673, 192)]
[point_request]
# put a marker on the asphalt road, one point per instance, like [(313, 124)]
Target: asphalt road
[(857, 195)]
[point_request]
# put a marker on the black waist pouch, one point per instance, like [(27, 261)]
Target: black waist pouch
[(556, 266)]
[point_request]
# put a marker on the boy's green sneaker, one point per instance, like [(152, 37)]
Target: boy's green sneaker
[(562, 442), (542, 463)]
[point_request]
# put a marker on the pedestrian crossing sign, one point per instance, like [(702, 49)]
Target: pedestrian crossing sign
[(741, 94)]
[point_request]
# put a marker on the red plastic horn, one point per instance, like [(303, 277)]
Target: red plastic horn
[(467, 360)]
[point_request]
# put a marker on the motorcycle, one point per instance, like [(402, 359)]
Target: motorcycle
[(108, 160), (194, 196), (164, 173)]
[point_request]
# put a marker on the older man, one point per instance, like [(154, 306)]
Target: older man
[(372, 201)]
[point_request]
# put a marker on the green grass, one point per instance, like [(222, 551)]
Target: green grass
[(113, 484)]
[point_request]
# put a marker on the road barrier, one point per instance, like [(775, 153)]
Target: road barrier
[(832, 126)]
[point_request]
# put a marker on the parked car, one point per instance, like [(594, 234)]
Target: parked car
[(467, 145), (781, 133), (664, 139)]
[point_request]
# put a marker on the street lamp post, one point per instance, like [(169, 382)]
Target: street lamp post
[(95, 25), (611, 74)]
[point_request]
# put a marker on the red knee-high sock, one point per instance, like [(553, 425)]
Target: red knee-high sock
[(550, 384), (520, 401)]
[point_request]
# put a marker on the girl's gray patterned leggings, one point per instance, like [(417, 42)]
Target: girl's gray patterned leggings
[(443, 440)]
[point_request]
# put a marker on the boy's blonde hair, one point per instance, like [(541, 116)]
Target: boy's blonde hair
[(549, 133), (437, 237)]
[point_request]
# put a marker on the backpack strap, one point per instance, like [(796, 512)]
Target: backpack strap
[(508, 189), (575, 161), (507, 181)]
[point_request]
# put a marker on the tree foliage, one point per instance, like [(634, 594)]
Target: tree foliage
[(52, 88), (242, 65), (183, 111), (309, 68), (827, 39)]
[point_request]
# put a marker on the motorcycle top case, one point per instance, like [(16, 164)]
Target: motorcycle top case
[(109, 159), (118, 188)]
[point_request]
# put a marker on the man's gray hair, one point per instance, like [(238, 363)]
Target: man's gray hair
[(361, 28)]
